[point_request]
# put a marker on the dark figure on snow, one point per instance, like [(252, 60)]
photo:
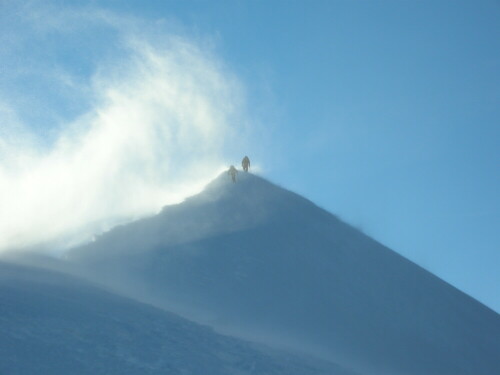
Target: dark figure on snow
[(245, 163), (232, 172)]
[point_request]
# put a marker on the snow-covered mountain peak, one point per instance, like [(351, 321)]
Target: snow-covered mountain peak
[(249, 191), (257, 261)]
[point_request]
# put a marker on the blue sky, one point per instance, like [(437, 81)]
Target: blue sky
[(385, 113)]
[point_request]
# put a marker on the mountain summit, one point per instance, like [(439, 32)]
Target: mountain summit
[(256, 261)]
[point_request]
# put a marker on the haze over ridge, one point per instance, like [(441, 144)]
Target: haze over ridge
[(162, 114)]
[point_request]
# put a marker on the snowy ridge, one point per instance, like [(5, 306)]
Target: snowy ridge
[(54, 324), (257, 261)]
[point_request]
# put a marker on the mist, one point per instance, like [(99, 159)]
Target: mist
[(163, 115)]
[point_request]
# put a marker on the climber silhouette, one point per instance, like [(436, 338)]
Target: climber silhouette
[(245, 163), (232, 172)]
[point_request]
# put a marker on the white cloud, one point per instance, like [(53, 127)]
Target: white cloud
[(161, 122)]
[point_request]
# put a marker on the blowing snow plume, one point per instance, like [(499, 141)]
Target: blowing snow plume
[(160, 120)]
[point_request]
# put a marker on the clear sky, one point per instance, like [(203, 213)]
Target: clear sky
[(385, 113)]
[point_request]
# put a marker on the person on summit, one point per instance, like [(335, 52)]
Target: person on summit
[(232, 172), (245, 163)]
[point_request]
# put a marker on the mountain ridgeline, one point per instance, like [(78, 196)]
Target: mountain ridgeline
[(258, 262)]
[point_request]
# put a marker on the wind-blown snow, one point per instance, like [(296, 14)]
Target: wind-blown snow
[(163, 114)]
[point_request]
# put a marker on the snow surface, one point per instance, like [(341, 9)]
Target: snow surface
[(256, 261), (51, 323)]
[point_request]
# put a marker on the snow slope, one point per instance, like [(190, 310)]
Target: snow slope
[(257, 261), (51, 323)]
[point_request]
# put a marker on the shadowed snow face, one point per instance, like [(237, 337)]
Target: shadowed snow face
[(161, 117)]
